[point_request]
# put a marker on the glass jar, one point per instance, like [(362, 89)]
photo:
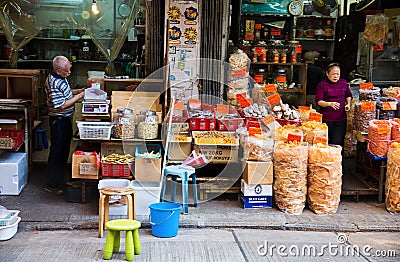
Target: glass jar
[(328, 30), (148, 125), (124, 121), (309, 31), (259, 77), (84, 53), (260, 52), (275, 51), (280, 79), (245, 46), (294, 51)]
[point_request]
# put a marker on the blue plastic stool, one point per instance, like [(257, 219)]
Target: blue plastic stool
[(41, 138), (184, 172)]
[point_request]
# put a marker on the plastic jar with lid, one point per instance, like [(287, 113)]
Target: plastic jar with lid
[(275, 51), (294, 51), (148, 125), (259, 77), (124, 123), (245, 46), (260, 50)]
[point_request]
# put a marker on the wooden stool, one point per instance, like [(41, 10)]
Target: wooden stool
[(105, 194), (132, 240)]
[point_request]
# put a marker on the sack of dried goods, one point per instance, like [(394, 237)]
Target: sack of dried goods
[(324, 178), (314, 129), (363, 113), (290, 176), (392, 187), (379, 134), (258, 148), (395, 128), (282, 133)]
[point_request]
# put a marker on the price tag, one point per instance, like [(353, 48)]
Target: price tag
[(281, 79), (389, 105), (268, 120), (274, 99), (222, 109), (194, 103), (321, 140), (299, 49), (293, 138), (315, 116), (366, 86), (240, 97), (250, 124), (239, 73), (246, 102), (383, 130), (254, 131), (270, 88), (368, 106), (305, 108), (178, 105)]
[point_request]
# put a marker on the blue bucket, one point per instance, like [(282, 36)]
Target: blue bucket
[(164, 219)]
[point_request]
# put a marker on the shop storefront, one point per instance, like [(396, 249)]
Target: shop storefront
[(231, 100)]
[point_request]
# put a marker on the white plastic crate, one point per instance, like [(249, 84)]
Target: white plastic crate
[(9, 231), (95, 130), (10, 218)]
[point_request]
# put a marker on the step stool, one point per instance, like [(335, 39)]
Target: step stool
[(41, 138), (132, 240), (184, 172), (105, 195)]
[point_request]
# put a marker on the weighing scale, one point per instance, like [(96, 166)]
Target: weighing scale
[(95, 106)]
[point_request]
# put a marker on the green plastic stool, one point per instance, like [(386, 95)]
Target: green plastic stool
[(132, 240)]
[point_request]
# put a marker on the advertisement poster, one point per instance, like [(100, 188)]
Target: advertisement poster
[(183, 47)]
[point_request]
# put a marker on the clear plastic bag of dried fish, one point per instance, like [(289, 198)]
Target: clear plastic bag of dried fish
[(376, 29)]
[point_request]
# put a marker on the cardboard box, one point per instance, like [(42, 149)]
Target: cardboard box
[(148, 169), (85, 166), (258, 173), (146, 193), (255, 190), (121, 148), (179, 148), (13, 173), (256, 201), (256, 196), (217, 153)]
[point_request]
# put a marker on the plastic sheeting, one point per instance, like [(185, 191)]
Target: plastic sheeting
[(22, 20)]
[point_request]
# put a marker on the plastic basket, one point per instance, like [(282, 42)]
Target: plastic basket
[(11, 139), (202, 124), (116, 170), (9, 231), (229, 124), (10, 218), (97, 130)]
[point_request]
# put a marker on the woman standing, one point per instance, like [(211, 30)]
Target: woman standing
[(333, 95)]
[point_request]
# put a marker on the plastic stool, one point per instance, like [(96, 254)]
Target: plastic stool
[(41, 138), (184, 172), (105, 194), (132, 240)]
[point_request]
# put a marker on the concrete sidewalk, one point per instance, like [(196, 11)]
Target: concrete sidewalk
[(40, 210), (207, 245)]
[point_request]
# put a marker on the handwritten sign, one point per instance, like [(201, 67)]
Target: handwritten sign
[(222, 109), (268, 120), (293, 138), (178, 105), (270, 88), (315, 116), (305, 108), (246, 102), (392, 105), (253, 131), (240, 97), (274, 99), (239, 73), (368, 106), (321, 140), (366, 86), (194, 103)]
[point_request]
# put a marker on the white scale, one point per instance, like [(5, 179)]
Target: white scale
[(95, 106)]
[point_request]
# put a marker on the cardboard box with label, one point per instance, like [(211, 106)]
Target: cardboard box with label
[(85, 165), (258, 173), (256, 196)]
